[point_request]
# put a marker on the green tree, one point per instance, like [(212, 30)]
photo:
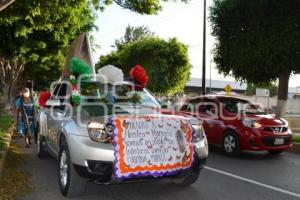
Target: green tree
[(258, 41), (133, 34), (166, 62), (35, 33)]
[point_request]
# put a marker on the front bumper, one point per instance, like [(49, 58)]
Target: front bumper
[(102, 172), (95, 160), (259, 140)]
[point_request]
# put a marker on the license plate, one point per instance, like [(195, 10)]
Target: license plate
[(279, 141)]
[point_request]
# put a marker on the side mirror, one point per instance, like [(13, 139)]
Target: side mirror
[(53, 102)]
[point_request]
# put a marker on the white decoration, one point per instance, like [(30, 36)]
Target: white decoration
[(111, 73), (72, 77)]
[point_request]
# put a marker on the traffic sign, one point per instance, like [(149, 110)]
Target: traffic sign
[(260, 92), (228, 89)]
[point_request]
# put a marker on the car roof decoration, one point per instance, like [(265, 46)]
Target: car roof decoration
[(78, 67), (139, 75), (110, 74)]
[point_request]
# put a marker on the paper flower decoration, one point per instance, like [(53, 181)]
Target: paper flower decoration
[(79, 67), (111, 74), (139, 75), (43, 97)]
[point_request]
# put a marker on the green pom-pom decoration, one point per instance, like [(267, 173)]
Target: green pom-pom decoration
[(79, 67), (73, 81), (75, 100)]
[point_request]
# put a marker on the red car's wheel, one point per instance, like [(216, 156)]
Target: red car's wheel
[(231, 144)]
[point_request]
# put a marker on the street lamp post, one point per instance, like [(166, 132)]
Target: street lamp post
[(204, 50)]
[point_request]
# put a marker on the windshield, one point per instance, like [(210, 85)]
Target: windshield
[(120, 96), (241, 106)]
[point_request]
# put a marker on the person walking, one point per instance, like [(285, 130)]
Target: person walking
[(17, 116), (25, 109)]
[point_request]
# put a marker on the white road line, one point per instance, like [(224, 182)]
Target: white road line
[(253, 182)]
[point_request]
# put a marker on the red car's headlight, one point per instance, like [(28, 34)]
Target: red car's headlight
[(251, 123)]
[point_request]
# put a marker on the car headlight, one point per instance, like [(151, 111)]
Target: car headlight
[(250, 123), (97, 132), (198, 133)]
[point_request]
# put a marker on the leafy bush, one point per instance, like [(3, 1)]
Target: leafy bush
[(5, 123)]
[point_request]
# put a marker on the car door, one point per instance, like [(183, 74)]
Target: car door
[(208, 110), (56, 116)]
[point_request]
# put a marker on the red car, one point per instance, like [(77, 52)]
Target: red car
[(236, 124)]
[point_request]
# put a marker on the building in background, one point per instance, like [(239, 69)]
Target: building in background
[(194, 86)]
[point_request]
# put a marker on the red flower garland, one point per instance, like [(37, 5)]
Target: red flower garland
[(139, 75), (43, 97)]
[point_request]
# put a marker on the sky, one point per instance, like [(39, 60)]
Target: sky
[(180, 20)]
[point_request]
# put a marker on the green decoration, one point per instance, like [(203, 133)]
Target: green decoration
[(75, 100), (73, 81), (79, 67), (136, 99)]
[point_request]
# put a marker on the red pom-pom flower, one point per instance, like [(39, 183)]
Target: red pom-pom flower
[(43, 97), (139, 75)]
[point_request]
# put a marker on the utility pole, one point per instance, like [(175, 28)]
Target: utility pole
[(210, 76), (204, 50)]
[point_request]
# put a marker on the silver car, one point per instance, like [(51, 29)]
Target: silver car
[(117, 134)]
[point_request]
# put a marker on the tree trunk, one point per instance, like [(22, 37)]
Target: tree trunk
[(5, 3), (10, 71), (5, 95), (283, 88)]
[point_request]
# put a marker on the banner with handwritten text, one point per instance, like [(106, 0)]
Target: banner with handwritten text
[(151, 146)]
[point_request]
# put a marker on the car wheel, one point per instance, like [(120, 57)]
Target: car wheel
[(191, 176), (275, 152), (70, 183), (231, 144), (41, 147)]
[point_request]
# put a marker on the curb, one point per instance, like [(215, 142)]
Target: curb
[(3, 153), (295, 148)]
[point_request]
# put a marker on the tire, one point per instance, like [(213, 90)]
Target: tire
[(41, 148), (275, 152), (189, 177), (231, 144), (70, 183)]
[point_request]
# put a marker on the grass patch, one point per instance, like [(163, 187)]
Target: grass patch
[(5, 123), (296, 138), (14, 182)]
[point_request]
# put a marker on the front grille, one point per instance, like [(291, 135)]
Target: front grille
[(281, 129), (270, 141)]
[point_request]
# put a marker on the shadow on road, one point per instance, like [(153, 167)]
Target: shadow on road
[(245, 155)]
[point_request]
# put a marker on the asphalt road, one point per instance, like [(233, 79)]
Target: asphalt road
[(251, 176)]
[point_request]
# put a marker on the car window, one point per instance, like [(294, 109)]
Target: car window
[(208, 106), (61, 92), (56, 89), (232, 105)]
